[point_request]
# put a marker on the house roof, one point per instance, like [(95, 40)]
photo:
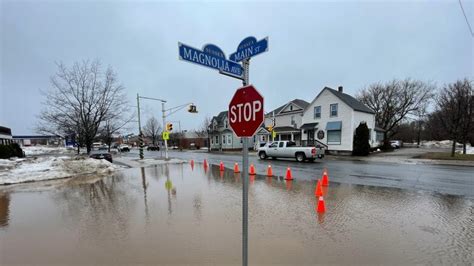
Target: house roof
[(301, 103), (351, 101)]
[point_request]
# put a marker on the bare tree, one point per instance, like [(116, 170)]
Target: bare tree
[(394, 101), (113, 126), (455, 108), (203, 130), (152, 129), (81, 99)]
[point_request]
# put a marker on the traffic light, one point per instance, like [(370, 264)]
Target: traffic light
[(169, 127), (270, 128), (192, 108)]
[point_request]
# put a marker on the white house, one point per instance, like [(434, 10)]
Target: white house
[(288, 119), (332, 118), (222, 136)]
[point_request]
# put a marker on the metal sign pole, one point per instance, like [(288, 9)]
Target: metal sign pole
[(245, 179), (140, 137), (164, 128)]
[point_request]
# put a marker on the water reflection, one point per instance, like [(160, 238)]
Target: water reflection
[(4, 209), (123, 218)]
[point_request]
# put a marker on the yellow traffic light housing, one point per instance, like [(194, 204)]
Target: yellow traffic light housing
[(169, 127)]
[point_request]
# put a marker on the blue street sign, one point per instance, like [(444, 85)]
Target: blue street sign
[(210, 56), (249, 47)]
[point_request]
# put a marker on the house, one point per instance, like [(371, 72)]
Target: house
[(332, 118), (5, 135), (222, 137), (288, 119), (193, 140)]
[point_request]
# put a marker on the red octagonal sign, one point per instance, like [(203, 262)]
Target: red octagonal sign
[(246, 111)]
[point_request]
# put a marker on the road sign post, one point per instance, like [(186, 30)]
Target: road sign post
[(246, 108), (246, 115)]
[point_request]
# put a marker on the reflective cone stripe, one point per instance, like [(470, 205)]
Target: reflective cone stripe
[(321, 207), (236, 168), (269, 171), (288, 174)]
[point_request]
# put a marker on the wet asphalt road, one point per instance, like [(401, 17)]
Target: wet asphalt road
[(444, 179)]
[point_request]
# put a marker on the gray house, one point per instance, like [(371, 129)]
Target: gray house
[(221, 135)]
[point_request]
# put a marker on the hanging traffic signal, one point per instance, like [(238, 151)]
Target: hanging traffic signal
[(169, 127), (192, 108), (270, 128)]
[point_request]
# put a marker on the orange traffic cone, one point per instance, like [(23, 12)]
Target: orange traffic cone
[(288, 174), (192, 164), (269, 171), (325, 181), (221, 166), (318, 191), (252, 170), (321, 207), (236, 168), (205, 163)]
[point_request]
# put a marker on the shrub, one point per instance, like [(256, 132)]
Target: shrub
[(361, 141), (11, 150)]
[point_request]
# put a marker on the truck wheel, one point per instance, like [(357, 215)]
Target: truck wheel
[(262, 155), (300, 157)]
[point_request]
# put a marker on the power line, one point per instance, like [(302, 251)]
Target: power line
[(467, 21)]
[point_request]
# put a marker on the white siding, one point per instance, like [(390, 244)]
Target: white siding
[(350, 120)]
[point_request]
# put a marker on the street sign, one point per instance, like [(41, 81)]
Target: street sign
[(246, 111), (274, 134), (166, 135), (210, 56), (248, 48)]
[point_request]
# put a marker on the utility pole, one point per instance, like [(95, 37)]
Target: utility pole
[(163, 110), (140, 136)]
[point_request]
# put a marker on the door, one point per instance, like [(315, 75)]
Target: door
[(310, 137), (272, 150)]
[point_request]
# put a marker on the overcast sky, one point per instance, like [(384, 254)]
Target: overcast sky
[(311, 45)]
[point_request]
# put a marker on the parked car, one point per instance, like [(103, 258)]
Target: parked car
[(153, 148), (288, 149), (396, 144), (123, 148), (100, 154)]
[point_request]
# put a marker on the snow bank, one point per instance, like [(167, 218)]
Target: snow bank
[(46, 168), (447, 144), (39, 150)]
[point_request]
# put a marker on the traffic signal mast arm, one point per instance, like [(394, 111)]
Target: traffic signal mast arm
[(173, 110)]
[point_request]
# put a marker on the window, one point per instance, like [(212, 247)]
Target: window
[(212, 140), (333, 109), (317, 112), (217, 140), (223, 139), (281, 144), (273, 145), (229, 139), (334, 137), (293, 122), (291, 107)]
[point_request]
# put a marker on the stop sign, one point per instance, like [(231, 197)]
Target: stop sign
[(246, 111)]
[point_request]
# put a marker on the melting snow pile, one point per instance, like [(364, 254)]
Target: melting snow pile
[(38, 150), (448, 144), (46, 168)]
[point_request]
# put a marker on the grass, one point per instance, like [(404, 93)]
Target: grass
[(446, 156)]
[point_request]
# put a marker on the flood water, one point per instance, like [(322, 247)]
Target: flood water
[(176, 215)]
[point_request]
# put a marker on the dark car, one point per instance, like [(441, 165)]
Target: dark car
[(101, 155), (153, 148)]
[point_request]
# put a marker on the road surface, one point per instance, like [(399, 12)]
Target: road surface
[(445, 179)]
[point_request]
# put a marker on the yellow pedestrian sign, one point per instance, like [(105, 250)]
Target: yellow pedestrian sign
[(274, 134), (166, 135)]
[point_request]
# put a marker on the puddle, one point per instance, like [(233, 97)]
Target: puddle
[(176, 215)]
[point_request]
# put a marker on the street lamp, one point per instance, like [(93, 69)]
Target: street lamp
[(191, 109)]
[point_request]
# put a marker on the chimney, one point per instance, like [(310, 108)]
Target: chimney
[(339, 89)]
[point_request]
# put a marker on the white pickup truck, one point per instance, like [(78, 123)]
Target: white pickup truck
[(288, 149)]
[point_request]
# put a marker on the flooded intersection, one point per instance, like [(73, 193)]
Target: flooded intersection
[(173, 214)]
